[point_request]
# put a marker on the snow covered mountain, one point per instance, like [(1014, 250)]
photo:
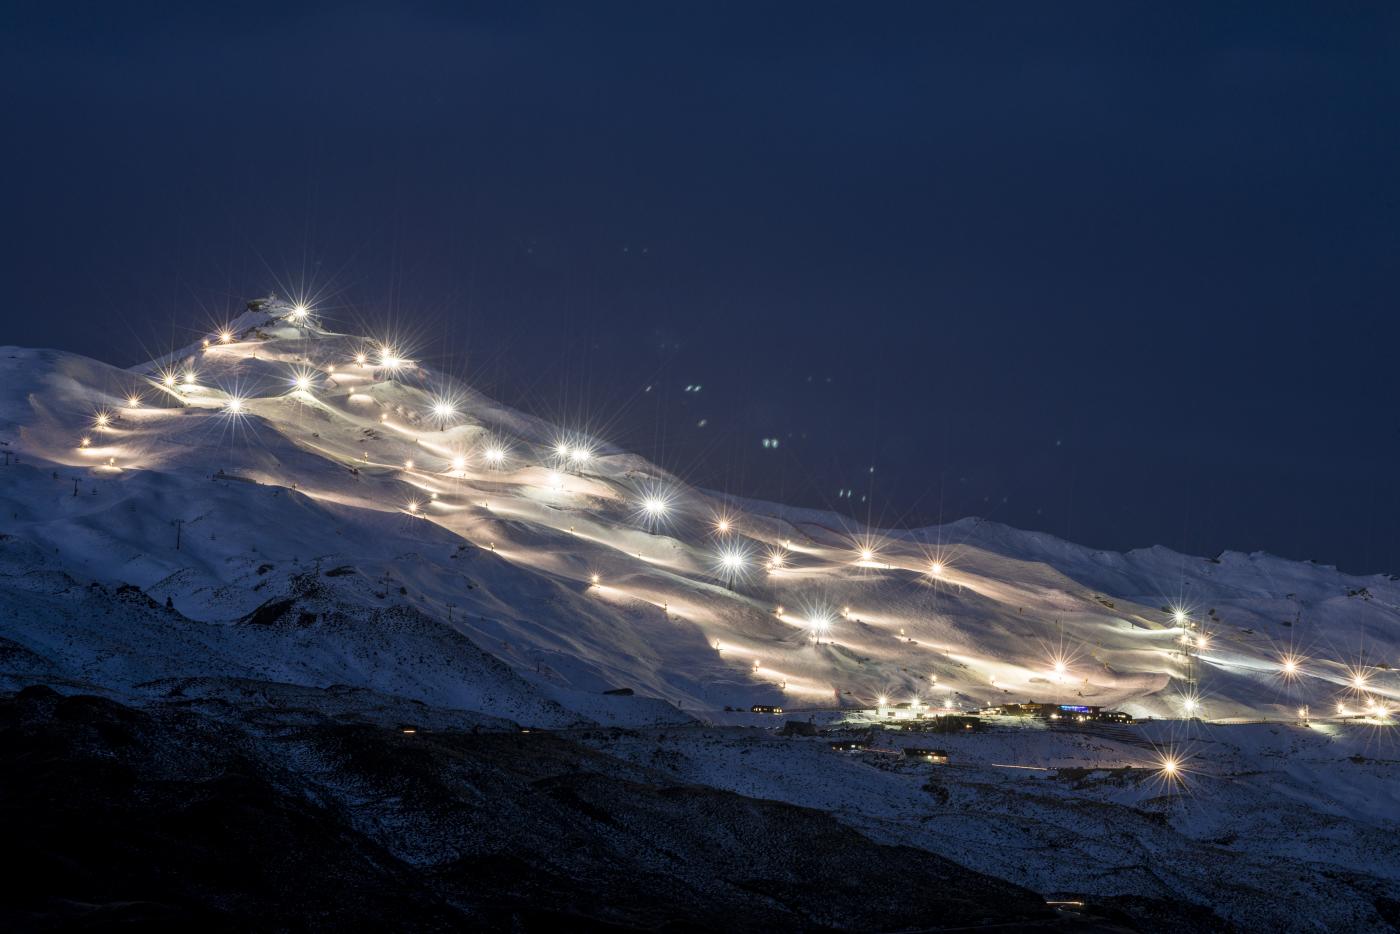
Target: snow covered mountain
[(301, 559), (278, 451)]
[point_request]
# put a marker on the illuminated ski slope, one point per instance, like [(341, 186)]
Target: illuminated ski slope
[(284, 444)]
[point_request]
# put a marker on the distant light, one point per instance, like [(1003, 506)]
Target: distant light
[(655, 507), (234, 406), (1358, 681), (1179, 616), (819, 624), (408, 464), (389, 359), (495, 456), (1060, 668), (594, 579), (1203, 641), (1188, 704), (361, 358), (867, 554), (85, 442), (936, 569), (303, 382), (732, 559), (444, 409), (168, 379), (1169, 767), (191, 377), (300, 312), (1290, 665), (413, 506), (133, 401), (225, 336), (580, 455), (882, 701), (722, 526), (561, 450), (102, 419), (459, 463)]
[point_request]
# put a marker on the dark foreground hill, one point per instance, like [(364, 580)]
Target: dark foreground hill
[(236, 820)]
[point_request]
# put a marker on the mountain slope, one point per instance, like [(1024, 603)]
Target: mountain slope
[(356, 471), (168, 818), (351, 586)]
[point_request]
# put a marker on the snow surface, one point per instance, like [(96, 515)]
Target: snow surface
[(1275, 826), (317, 570), (317, 478)]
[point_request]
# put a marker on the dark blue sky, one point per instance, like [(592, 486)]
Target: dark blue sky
[(1123, 272)]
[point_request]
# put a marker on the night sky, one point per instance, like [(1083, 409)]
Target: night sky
[(1122, 272)]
